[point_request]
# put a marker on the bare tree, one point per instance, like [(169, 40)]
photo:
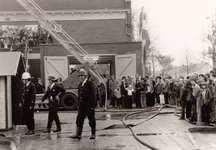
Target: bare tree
[(209, 38), (165, 63), (154, 37), (187, 61)]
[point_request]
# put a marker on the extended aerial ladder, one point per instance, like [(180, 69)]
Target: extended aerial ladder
[(63, 38)]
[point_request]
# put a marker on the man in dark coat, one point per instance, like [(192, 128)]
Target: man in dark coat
[(138, 93), (186, 100), (28, 102), (86, 105), (158, 89), (54, 91)]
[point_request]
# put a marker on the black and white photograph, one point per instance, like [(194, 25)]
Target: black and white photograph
[(107, 74)]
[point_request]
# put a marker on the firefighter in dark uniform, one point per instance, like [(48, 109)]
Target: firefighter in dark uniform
[(86, 105), (28, 102), (54, 91)]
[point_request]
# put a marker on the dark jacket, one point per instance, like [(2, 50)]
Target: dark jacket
[(86, 95), (158, 88), (39, 88), (138, 86), (208, 97), (29, 94), (123, 89), (187, 91), (53, 92)]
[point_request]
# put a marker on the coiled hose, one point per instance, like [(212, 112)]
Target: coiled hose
[(131, 125)]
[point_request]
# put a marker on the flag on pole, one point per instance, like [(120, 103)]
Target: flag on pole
[(144, 37)]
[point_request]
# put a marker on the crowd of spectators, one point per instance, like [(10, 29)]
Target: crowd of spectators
[(195, 93), (15, 38)]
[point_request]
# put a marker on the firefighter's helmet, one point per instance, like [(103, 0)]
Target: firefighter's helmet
[(51, 77), (82, 72), (26, 76)]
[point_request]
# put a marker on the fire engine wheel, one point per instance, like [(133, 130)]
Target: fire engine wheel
[(69, 101)]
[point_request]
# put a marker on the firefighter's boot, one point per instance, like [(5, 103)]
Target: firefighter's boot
[(93, 133), (78, 133), (58, 125), (49, 125)]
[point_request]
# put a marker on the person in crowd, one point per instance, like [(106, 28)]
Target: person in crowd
[(117, 94), (171, 92), (166, 91), (186, 100), (40, 89), (207, 76), (181, 84), (212, 75), (177, 87), (112, 86), (211, 87), (152, 80), (54, 91), (43, 38), (213, 101), (35, 39), (153, 84), (158, 89), (13, 43), (206, 98), (102, 94), (195, 92), (86, 105), (28, 102), (49, 38), (187, 94), (133, 83), (129, 90), (60, 82), (138, 92), (39, 86), (201, 77), (124, 91), (149, 93), (24, 42), (2, 43), (39, 33), (143, 93)]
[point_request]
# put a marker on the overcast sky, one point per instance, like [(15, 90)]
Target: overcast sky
[(179, 25)]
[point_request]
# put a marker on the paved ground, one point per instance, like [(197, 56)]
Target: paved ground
[(164, 131)]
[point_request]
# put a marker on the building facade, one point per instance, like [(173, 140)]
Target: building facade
[(101, 27)]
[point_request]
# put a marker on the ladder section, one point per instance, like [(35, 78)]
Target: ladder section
[(62, 37)]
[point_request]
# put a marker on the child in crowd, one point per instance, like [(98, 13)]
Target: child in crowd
[(117, 94)]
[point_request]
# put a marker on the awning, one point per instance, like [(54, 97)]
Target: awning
[(9, 62)]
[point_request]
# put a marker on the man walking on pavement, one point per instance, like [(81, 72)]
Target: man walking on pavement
[(54, 91), (86, 105), (28, 102)]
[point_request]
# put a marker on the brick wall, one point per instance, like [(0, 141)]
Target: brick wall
[(12, 5), (96, 31), (2, 103), (102, 48), (89, 31)]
